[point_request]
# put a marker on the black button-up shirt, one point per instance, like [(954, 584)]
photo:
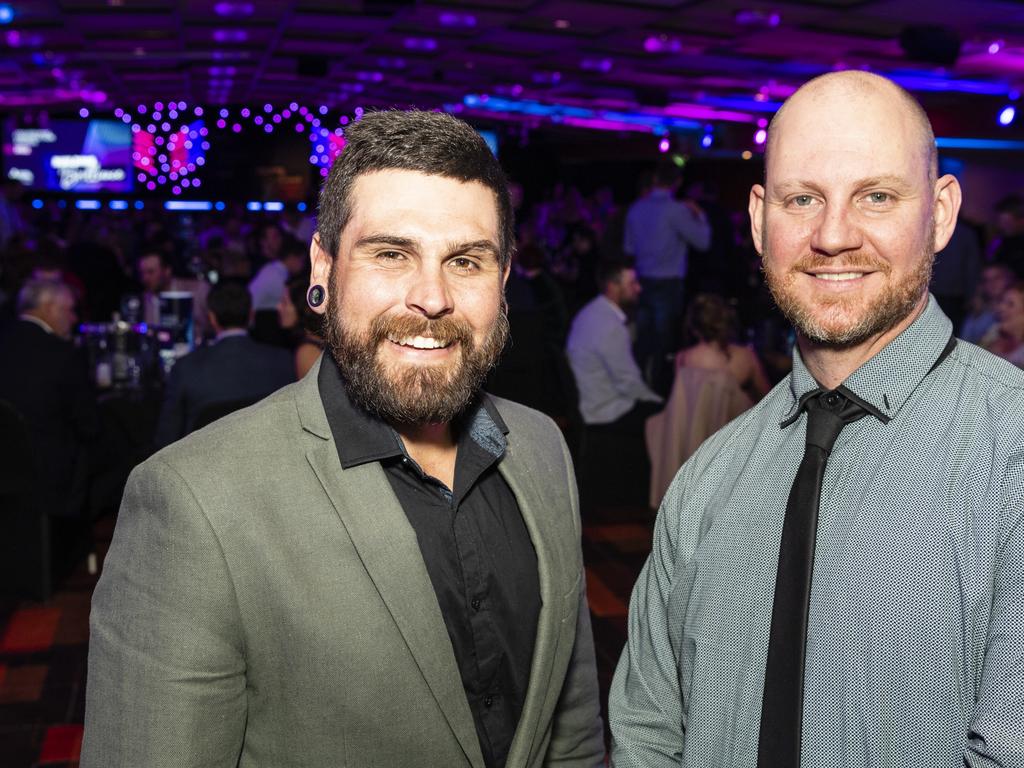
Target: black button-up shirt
[(476, 548)]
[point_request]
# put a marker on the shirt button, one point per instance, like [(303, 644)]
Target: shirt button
[(489, 701), (475, 602)]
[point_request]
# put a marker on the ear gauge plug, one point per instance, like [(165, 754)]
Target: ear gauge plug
[(316, 295)]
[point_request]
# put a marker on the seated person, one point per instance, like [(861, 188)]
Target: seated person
[(156, 277), (1006, 337), (286, 258), (981, 316), (614, 401), (713, 322), (46, 380), (233, 371), (303, 323)]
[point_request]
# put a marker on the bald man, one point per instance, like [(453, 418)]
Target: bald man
[(884, 626)]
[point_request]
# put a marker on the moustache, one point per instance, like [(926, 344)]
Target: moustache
[(446, 330), (853, 263)]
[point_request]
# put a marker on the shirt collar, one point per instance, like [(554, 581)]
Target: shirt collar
[(37, 321), (230, 333), (886, 381), (362, 437), (615, 308)]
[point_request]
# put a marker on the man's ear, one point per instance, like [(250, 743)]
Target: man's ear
[(947, 207), (755, 207), (320, 270)]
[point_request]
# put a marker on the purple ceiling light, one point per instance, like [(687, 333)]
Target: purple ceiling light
[(235, 9), (230, 35), (450, 19), (420, 43)]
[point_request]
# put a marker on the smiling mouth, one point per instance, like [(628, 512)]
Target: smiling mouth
[(419, 342), (838, 277)]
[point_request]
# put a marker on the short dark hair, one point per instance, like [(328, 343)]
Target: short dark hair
[(667, 175), (230, 303), (434, 143), (610, 270), (712, 319)]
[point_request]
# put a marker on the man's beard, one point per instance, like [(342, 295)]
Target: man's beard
[(413, 394), (826, 321)]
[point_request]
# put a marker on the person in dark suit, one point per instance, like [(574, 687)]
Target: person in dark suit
[(46, 380), (234, 370)]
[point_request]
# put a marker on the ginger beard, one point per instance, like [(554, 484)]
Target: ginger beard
[(413, 394), (841, 321)]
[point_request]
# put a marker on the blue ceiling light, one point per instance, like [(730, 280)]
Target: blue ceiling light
[(6, 13), (1007, 115)]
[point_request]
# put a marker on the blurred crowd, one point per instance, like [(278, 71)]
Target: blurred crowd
[(674, 267)]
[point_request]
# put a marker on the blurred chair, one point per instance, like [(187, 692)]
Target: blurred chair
[(700, 403), (26, 568)]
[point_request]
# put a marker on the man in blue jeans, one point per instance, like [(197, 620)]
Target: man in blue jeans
[(660, 231)]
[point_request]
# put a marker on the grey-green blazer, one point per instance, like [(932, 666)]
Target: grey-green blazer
[(261, 606)]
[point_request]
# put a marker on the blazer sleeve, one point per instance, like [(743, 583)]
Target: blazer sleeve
[(166, 683), (577, 733)]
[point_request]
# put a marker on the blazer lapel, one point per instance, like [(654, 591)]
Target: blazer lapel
[(388, 548), (517, 469)]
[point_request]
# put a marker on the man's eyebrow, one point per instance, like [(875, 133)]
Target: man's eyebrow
[(475, 245), (384, 239), (805, 185)]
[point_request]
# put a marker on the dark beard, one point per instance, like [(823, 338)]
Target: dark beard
[(432, 394)]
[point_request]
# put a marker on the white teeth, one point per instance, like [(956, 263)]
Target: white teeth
[(839, 276), (418, 342)]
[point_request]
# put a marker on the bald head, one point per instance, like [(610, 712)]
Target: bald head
[(866, 91)]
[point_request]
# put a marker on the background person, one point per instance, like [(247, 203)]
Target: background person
[(232, 371)]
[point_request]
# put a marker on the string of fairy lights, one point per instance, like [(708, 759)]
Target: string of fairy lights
[(170, 139)]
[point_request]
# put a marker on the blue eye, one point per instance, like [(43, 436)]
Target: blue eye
[(803, 200), (879, 197)]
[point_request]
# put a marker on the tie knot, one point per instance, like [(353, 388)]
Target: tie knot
[(827, 413)]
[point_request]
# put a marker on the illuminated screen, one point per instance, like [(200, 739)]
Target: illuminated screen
[(71, 156)]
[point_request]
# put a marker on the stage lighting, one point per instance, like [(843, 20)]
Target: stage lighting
[(1007, 115)]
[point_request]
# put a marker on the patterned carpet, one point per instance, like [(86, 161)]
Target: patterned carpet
[(44, 646)]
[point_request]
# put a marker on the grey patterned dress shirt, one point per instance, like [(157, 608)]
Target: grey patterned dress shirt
[(915, 647)]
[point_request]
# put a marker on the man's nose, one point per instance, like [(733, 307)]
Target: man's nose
[(837, 230), (429, 293)]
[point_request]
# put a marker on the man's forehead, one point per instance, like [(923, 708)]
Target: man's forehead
[(850, 114), (380, 193)]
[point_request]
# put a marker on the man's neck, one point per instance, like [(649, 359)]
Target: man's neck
[(433, 447), (831, 366)]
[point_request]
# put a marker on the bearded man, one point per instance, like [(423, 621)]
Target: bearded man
[(380, 564), (837, 577)]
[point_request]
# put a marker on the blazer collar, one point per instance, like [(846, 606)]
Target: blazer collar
[(387, 546)]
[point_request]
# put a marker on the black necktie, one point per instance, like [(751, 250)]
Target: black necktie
[(782, 710)]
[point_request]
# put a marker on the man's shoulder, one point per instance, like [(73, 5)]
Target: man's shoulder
[(767, 413), (236, 441), (987, 369), (597, 310), (986, 388)]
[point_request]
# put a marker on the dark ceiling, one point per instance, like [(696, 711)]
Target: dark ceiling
[(645, 65)]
